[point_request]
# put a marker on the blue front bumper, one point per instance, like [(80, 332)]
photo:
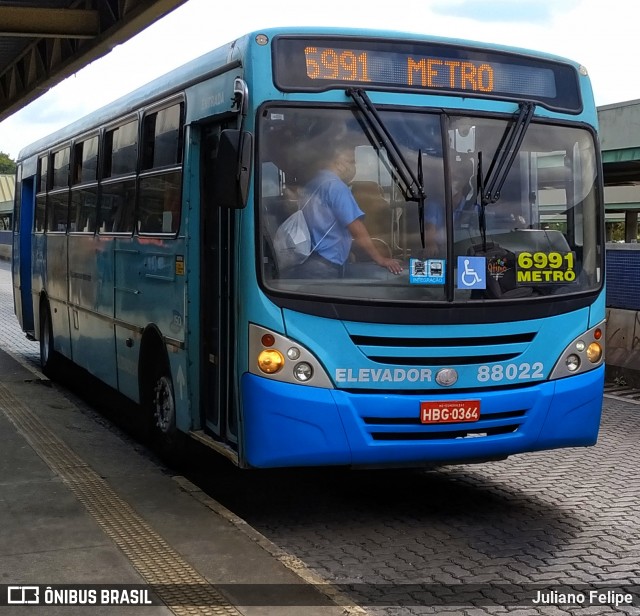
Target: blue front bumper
[(296, 425)]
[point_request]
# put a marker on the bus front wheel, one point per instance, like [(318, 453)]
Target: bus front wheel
[(161, 408)]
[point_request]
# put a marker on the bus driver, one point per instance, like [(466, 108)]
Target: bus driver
[(335, 219)]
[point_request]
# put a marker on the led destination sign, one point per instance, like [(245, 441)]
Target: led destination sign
[(345, 65), (322, 64)]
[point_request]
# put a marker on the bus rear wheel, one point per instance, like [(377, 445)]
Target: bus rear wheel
[(49, 360)]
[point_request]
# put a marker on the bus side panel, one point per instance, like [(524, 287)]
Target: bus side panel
[(127, 348), (22, 256), (91, 305), (38, 276), (56, 287), (131, 308), (149, 290)]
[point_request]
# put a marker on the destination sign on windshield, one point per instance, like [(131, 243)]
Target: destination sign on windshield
[(319, 64)]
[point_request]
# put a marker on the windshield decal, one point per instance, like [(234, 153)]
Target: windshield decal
[(429, 271), (545, 268), (472, 273)]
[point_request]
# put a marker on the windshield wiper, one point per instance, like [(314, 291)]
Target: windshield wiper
[(489, 188), (411, 185), (506, 153)]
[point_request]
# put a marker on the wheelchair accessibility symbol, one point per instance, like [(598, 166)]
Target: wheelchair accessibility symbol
[(472, 273)]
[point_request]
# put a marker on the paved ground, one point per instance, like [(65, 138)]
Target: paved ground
[(12, 338), (467, 540), (534, 522)]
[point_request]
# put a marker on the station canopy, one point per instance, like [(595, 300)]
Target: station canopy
[(44, 41)]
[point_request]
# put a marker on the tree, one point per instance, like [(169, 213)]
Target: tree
[(6, 164)]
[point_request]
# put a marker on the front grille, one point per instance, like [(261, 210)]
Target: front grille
[(442, 342), (435, 351), (458, 360)]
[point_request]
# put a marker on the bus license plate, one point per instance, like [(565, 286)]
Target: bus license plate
[(450, 411)]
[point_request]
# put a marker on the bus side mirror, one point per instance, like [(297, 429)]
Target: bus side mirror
[(232, 169)]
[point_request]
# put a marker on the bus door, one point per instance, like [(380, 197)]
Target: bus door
[(22, 253), (217, 285)]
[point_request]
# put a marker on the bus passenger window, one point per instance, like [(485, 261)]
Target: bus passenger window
[(84, 191), (58, 198), (117, 207), (121, 150), (161, 176), (57, 210), (117, 203), (60, 170), (159, 203), (41, 196), (83, 209), (162, 138), (41, 202), (86, 161)]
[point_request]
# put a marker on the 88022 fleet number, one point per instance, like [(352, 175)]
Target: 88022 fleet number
[(510, 372)]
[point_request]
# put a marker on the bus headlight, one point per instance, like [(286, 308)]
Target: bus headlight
[(586, 352), (280, 358), (573, 363), (303, 371), (270, 361)]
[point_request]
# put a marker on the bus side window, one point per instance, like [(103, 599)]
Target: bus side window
[(160, 203), (84, 191), (41, 194), (117, 204), (160, 186), (58, 199)]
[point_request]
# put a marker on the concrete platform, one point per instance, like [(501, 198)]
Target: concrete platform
[(80, 506)]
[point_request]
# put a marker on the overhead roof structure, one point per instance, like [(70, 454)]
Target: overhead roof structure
[(620, 141), (7, 188), (44, 41)]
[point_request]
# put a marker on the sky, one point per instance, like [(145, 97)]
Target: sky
[(600, 35)]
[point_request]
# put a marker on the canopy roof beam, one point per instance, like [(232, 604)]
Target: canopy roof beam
[(45, 23)]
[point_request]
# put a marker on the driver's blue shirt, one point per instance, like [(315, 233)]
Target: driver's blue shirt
[(328, 207)]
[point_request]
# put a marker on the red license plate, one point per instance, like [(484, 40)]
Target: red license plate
[(449, 411)]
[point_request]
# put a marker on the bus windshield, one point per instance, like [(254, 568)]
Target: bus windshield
[(326, 168)]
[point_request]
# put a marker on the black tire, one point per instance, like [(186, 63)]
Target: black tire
[(159, 400), (49, 358)]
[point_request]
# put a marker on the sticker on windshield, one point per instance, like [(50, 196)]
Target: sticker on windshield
[(429, 271), (545, 268), (497, 267), (472, 273)]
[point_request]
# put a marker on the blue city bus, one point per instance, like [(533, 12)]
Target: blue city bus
[(160, 244)]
